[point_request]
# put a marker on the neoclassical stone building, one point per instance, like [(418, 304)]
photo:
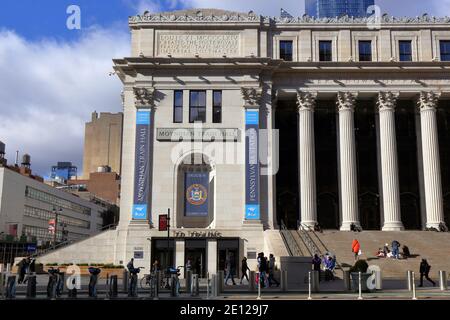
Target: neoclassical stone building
[(282, 120)]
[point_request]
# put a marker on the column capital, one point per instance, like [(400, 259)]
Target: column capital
[(387, 100), (306, 100), (346, 100), (144, 97), (251, 97), (428, 100)]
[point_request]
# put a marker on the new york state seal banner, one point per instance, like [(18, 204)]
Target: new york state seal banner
[(196, 189)]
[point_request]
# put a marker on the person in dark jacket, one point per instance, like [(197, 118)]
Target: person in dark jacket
[(316, 262), (244, 269), (425, 271)]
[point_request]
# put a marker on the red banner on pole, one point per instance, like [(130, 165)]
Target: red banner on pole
[(163, 222)]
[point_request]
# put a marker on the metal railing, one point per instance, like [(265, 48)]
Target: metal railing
[(291, 244), (305, 231), (60, 245)]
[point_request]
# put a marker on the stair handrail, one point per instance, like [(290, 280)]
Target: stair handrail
[(308, 241), (291, 244), (304, 226)]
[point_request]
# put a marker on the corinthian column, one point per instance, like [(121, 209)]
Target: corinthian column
[(431, 165), (306, 103), (389, 164), (347, 160)]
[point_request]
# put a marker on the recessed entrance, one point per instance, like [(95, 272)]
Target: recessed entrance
[(287, 180), (195, 251), (227, 248), (162, 250)]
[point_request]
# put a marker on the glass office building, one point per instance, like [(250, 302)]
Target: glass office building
[(336, 8)]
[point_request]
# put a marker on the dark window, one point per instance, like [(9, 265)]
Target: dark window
[(325, 51), (445, 50), (405, 50), (217, 106), (197, 106), (286, 50), (365, 51), (178, 106)]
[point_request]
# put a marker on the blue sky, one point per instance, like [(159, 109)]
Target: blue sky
[(53, 78)]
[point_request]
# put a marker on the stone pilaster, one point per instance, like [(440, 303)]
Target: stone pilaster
[(347, 160), (431, 163), (389, 164), (308, 210)]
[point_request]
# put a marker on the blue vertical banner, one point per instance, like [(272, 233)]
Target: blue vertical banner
[(252, 165), (141, 166), (196, 190)]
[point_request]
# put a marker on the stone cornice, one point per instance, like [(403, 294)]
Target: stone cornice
[(346, 100), (144, 97), (222, 16), (428, 100), (306, 100), (387, 100)]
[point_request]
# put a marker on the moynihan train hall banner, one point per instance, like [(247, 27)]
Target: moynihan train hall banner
[(141, 167), (251, 165)]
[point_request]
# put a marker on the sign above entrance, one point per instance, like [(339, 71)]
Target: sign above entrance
[(204, 134), (197, 234)]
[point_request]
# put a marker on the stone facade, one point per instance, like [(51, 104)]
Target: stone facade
[(239, 55)]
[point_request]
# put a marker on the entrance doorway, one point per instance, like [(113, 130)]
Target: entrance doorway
[(287, 180), (228, 248), (195, 251), (164, 255)]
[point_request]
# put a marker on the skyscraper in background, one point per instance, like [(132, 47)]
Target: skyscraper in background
[(103, 143), (336, 8)]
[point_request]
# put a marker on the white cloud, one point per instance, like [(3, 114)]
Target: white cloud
[(49, 90)]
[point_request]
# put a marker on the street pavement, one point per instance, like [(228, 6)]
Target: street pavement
[(333, 290)]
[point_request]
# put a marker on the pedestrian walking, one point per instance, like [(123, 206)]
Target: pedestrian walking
[(244, 268), (230, 267), (424, 272), (356, 248), (271, 271), (262, 268)]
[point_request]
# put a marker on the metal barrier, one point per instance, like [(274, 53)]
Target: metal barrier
[(220, 282), (93, 280), (52, 284), (125, 281), (215, 285), (132, 290), (174, 286), (31, 286), (195, 290), (154, 285), (347, 281), (2, 285), (409, 280), (315, 279), (11, 287), (188, 283), (252, 284), (284, 281), (443, 281), (113, 292)]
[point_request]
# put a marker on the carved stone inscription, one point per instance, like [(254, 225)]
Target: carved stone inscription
[(202, 44)]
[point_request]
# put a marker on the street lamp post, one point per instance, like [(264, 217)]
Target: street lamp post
[(168, 237)]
